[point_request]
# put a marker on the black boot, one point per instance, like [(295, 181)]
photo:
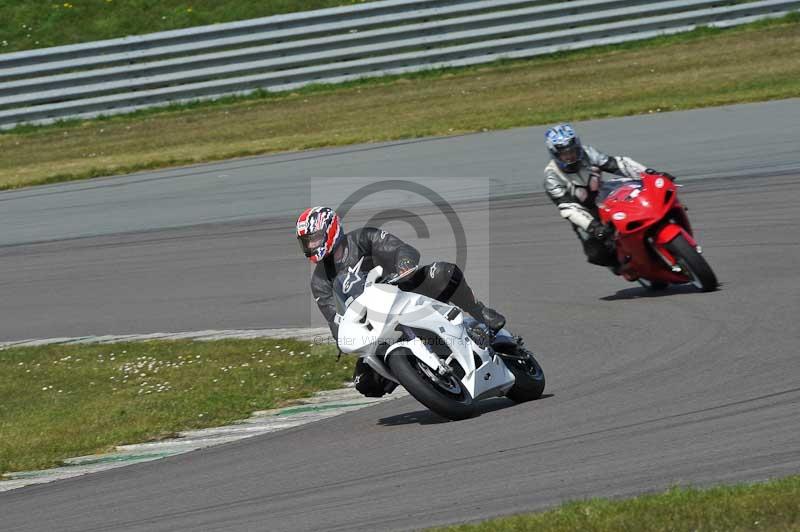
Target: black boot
[(493, 319), (369, 382)]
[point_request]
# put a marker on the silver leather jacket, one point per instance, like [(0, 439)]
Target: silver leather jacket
[(574, 193)]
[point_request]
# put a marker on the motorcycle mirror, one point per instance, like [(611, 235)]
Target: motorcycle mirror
[(374, 273)]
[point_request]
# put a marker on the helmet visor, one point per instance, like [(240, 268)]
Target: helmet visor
[(568, 155), (311, 242)]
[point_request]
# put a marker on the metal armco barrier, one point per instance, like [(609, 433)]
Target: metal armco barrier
[(329, 46)]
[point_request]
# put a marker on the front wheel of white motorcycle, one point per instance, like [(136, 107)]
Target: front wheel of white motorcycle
[(444, 395)]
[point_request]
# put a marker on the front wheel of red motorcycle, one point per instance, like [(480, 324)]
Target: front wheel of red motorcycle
[(693, 264)]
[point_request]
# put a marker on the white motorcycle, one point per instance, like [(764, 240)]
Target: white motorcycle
[(445, 360)]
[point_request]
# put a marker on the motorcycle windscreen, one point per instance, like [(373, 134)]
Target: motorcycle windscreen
[(347, 286), (618, 189)]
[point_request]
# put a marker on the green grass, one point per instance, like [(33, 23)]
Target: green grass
[(65, 401), (698, 69), (770, 506), (38, 24)]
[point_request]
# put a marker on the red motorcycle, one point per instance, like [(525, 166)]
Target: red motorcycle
[(653, 237)]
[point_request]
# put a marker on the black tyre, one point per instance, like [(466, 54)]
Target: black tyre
[(529, 383), (693, 264), (444, 395)]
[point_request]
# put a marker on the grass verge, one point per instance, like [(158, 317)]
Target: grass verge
[(773, 505), (703, 68), (65, 401)]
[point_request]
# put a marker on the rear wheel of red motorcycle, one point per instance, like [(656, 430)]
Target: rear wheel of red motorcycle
[(693, 264)]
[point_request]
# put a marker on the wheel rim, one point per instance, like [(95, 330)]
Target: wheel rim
[(531, 368), (449, 385), (529, 365)]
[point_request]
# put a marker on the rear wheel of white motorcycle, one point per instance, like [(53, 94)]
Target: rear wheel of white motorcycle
[(444, 395), (693, 264), (528, 374)]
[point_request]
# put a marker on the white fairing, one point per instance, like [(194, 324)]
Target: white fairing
[(374, 321)]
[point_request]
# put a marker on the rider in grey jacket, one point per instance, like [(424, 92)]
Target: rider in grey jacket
[(572, 180), (324, 242)]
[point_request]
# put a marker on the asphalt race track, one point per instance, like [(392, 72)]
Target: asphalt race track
[(106, 263), (644, 391)]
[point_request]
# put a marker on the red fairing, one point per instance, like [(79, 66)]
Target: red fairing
[(646, 215)]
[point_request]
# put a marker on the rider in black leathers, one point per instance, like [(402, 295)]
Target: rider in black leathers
[(439, 280)]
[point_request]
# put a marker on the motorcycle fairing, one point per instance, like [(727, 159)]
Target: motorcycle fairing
[(490, 377), (383, 313), (648, 206)]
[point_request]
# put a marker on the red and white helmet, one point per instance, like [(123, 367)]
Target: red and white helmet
[(319, 231)]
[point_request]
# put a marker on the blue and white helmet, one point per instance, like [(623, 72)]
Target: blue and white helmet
[(564, 147)]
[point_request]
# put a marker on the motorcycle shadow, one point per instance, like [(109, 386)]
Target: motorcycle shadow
[(640, 292), (426, 417)]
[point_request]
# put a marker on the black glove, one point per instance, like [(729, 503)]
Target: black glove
[(405, 264), (665, 174), (597, 230)]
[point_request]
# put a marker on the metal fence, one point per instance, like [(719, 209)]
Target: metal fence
[(330, 46)]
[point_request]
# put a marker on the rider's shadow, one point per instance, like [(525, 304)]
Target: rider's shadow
[(426, 417), (640, 292)]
